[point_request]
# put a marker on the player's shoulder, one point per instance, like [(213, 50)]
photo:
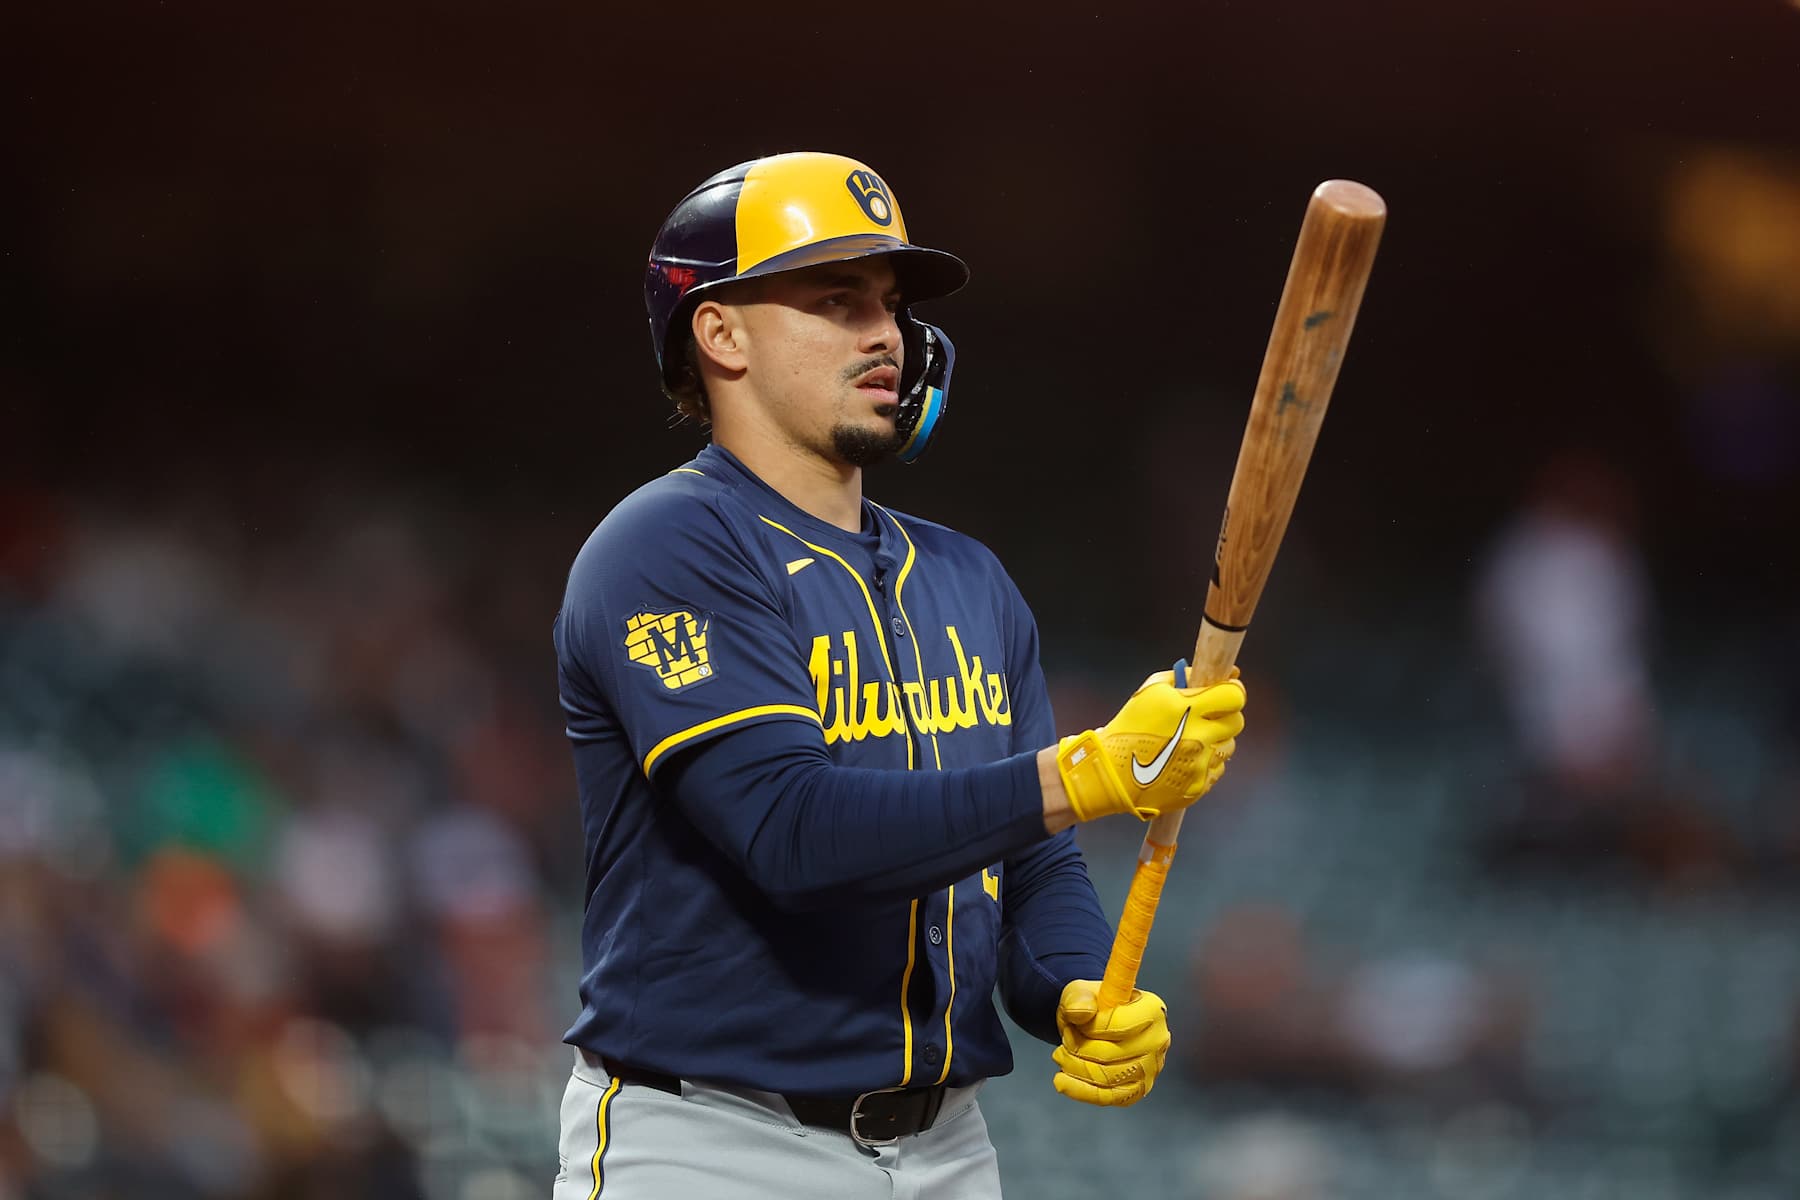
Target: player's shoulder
[(683, 494), (674, 510)]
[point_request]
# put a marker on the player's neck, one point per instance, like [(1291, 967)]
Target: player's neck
[(820, 487)]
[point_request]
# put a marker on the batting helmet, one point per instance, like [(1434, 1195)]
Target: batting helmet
[(790, 211)]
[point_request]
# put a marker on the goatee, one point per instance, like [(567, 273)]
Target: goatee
[(861, 446)]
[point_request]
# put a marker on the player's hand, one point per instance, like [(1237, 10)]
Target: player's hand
[(1167, 746), (1109, 1056)]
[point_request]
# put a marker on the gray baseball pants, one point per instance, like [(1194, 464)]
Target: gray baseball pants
[(630, 1142)]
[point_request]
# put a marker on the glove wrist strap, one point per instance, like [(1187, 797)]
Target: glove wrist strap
[(1089, 778)]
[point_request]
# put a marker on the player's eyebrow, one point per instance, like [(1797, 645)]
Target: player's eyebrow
[(852, 282)]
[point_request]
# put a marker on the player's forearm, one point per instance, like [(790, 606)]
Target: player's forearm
[(845, 834), (809, 833), (1054, 931)]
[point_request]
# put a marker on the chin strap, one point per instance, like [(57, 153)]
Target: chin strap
[(924, 384)]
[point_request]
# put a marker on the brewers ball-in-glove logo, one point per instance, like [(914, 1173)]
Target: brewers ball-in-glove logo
[(672, 644), (872, 195)]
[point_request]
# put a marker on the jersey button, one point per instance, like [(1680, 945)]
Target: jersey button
[(933, 1055), (936, 935), (899, 627)]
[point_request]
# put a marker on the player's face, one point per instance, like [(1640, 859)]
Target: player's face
[(825, 358)]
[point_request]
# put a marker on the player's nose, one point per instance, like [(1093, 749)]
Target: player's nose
[(882, 334)]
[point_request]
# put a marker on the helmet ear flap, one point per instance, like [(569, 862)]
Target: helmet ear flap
[(924, 383)]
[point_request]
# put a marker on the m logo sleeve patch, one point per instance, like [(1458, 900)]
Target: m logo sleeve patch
[(673, 644)]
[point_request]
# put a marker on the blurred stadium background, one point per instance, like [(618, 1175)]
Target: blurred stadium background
[(322, 351)]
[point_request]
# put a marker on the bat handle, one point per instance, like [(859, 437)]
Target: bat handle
[(1127, 954), (1214, 655)]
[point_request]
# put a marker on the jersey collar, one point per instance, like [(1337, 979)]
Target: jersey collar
[(879, 540)]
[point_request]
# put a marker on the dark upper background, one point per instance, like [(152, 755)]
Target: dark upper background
[(258, 252)]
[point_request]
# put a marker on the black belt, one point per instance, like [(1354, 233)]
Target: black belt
[(874, 1118)]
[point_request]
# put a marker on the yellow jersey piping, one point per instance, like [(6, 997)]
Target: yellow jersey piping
[(949, 953), (732, 718), (912, 927)]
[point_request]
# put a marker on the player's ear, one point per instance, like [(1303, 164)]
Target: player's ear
[(719, 334)]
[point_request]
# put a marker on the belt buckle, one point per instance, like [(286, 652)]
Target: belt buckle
[(856, 1113)]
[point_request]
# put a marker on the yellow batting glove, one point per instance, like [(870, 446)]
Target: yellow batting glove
[(1109, 1056), (1164, 750)]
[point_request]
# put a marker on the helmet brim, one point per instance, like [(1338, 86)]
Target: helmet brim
[(923, 273)]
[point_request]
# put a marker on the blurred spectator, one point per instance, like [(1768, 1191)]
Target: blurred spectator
[(1435, 1026), (476, 886), (335, 888), (1563, 604), (1405, 1025), (1265, 1015)]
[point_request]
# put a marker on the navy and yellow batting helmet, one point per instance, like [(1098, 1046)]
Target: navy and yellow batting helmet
[(783, 213)]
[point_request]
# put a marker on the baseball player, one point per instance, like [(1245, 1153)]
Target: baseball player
[(825, 808)]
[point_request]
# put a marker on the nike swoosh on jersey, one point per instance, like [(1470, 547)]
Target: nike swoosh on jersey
[(1146, 772), (798, 565)]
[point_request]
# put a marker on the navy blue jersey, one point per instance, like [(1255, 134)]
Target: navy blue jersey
[(806, 761)]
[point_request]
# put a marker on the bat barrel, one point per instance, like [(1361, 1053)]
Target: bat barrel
[(1325, 282)]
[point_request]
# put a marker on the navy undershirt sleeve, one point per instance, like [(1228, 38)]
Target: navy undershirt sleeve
[(810, 833), (1054, 932)]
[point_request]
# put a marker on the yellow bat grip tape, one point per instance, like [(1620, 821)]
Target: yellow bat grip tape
[(1134, 924)]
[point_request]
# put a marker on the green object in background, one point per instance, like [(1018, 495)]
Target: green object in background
[(199, 794)]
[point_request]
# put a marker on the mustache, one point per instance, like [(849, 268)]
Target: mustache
[(852, 374)]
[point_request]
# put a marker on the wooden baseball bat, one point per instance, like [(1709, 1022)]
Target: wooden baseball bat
[(1324, 286)]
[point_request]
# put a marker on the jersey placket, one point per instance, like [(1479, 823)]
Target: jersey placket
[(934, 916), (916, 1024)]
